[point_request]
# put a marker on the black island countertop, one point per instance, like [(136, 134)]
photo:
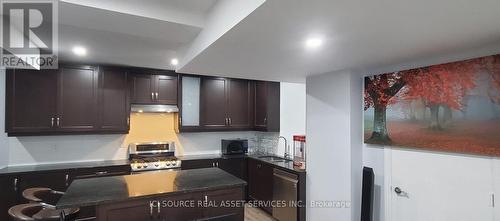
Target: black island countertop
[(96, 191)]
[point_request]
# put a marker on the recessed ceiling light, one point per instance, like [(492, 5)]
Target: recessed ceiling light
[(79, 50), (174, 61), (314, 42)]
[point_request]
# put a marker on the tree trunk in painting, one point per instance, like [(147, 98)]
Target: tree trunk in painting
[(435, 117), (447, 115), (379, 134)]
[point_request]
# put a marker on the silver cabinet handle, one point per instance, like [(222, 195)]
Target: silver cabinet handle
[(159, 206), (15, 184), (151, 209), (206, 199), (67, 180), (51, 122), (58, 121), (152, 96), (230, 121), (265, 120), (156, 95), (101, 173), (213, 164)]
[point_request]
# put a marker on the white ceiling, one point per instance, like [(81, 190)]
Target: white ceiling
[(130, 32), (268, 44), (267, 41)]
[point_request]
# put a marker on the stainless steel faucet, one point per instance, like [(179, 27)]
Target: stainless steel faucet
[(287, 148)]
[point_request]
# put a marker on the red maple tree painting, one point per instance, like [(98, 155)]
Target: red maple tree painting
[(447, 107)]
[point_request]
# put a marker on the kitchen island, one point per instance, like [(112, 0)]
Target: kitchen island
[(165, 195)]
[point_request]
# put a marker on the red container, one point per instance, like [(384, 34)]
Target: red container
[(299, 145)]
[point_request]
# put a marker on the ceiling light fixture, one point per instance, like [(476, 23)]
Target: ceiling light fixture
[(314, 42), (79, 50), (174, 62)]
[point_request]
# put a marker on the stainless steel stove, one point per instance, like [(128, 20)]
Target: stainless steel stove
[(153, 156)]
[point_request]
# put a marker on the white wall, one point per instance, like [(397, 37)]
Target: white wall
[(4, 142), (331, 152), (292, 113)]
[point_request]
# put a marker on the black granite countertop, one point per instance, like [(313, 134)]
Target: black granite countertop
[(288, 165), (285, 165), (96, 191), (61, 166)]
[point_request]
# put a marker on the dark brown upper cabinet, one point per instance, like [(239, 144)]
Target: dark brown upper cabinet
[(154, 87), (31, 99), (213, 105), (70, 100), (240, 107), (77, 99), (226, 104), (114, 104), (267, 106)]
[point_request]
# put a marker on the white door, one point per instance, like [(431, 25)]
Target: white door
[(496, 172), (440, 187)]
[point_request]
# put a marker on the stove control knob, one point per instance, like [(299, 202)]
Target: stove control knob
[(174, 163), (157, 165), (169, 163), (145, 165), (138, 166)]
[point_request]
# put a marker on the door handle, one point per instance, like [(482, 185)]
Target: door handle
[(230, 121), (57, 121), (398, 190), (152, 96), (51, 122), (156, 95), (401, 192)]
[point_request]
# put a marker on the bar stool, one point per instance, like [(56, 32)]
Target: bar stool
[(41, 212), (38, 208), (42, 194)]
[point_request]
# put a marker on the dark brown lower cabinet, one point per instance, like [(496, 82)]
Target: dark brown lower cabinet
[(236, 166), (260, 182), (8, 195), (198, 164), (181, 207)]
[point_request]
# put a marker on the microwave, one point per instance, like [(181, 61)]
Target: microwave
[(231, 147)]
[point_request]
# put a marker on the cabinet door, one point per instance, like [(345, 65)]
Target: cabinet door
[(260, 104), (77, 106), (220, 198), (260, 178), (114, 104), (197, 164), (166, 87), (127, 211), (31, 100), (267, 106), (234, 166), (142, 89), (213, 102), (239, 104), (189, 211), (190, 101), (8, 195)]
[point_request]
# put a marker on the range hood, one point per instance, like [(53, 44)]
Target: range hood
[(154, 108)]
